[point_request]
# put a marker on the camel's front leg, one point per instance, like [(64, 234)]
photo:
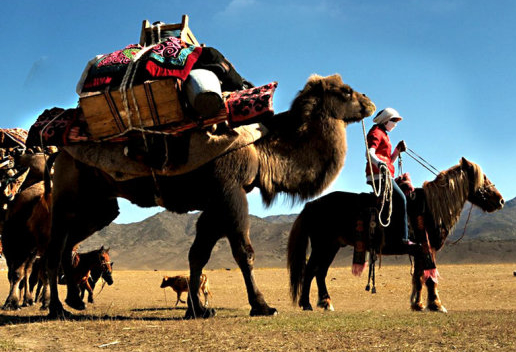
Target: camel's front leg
[(52, 259), (434, 301)]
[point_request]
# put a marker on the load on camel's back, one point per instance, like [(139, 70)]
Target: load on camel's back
[(208, 164)]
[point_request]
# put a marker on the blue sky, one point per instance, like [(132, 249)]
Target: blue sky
[(448, 67)]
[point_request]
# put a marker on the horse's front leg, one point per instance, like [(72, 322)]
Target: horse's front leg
[(90, 292), (434, 301), (416, 300)]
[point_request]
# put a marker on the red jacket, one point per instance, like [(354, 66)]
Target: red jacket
[(377, 138)]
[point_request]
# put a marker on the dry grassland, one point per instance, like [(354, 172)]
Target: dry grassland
[(136, 315)]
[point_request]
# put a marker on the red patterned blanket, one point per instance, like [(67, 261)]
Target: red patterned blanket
[(172, 57)]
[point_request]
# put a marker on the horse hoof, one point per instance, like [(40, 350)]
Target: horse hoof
[(75, 304), (267, 311), (307, 307), (417, 307), (436, 308), (326, 304)]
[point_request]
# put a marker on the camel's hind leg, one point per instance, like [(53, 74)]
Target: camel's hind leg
[(205, 239)]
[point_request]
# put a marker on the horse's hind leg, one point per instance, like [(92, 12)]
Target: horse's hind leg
[(304, 299), (324, 261)]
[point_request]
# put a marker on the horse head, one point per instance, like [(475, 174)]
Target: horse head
[(482, 192), (334, 98), (106, 265)]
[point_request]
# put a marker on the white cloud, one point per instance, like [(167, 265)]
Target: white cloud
[(236, 7)]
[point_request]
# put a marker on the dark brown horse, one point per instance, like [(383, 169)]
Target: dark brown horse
[(25, 235), (300, 156), (26, 227), (340, 218), (97, 262), (95, 275)]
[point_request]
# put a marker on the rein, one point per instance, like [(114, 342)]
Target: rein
[(422, 161), (465, 225)]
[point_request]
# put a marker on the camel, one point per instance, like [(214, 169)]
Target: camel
[(300, 156)]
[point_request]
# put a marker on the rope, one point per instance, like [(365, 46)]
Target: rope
[(388, 189), (370, 163), (127, 83), (465, 225)]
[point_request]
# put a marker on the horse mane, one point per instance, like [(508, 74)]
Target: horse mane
[(446, 195)]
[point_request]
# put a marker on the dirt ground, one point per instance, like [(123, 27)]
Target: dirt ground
[(136, 315)]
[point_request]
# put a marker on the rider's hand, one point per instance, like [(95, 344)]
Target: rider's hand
[(380, 164), (402, 146)]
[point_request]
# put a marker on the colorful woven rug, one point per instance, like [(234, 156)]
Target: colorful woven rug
[(12, 137), (172, 57)]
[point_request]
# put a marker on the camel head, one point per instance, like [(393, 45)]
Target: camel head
[(332, 97)]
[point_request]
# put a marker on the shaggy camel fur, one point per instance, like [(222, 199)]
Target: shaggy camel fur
[(300, 156)]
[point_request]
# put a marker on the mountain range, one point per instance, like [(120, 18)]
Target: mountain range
[(161, 242)]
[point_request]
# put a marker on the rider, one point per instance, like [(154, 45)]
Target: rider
[(381, 155)]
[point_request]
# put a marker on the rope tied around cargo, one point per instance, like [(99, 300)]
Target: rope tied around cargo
[(127, 84)]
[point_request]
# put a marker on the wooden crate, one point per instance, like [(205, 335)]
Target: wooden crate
[(185, 31), (157, 102)]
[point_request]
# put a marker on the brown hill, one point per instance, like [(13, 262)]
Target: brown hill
[(162, 241)]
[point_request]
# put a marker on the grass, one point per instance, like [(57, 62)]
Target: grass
[(136, 315)]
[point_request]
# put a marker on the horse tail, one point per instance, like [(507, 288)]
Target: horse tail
[(296, 253)]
